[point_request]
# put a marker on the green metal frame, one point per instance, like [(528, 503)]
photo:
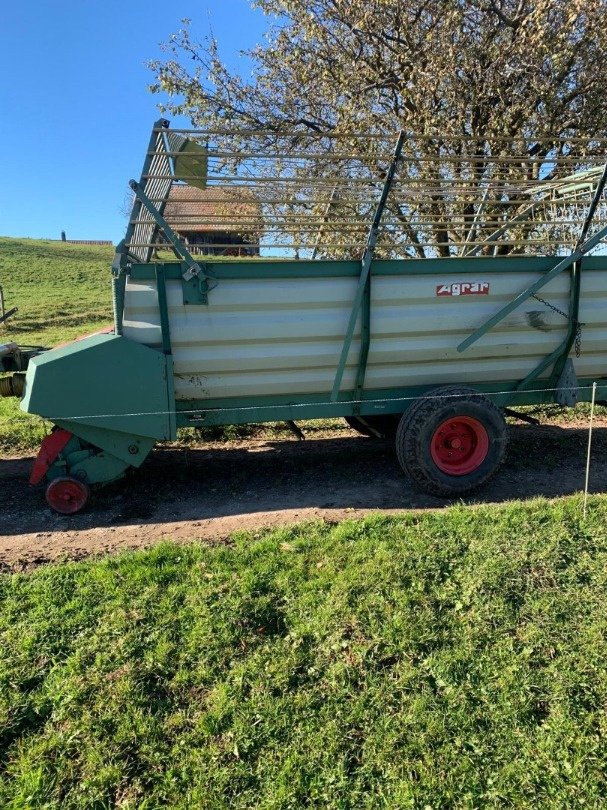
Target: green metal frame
[(281, 269), (234, 411), (113, 394), (117, 397), (564, 264), (194, 270), (362, 297), (358, 402)]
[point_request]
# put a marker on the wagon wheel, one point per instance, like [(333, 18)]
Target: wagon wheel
[(451, 442), (67, 495), (382, 426)]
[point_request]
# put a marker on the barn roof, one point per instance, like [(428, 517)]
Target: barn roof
[(220, 209)]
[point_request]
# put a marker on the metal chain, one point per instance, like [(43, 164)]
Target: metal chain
[(576, 323)]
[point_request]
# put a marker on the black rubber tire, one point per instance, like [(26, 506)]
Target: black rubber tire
[(418, 425), (386, 425)]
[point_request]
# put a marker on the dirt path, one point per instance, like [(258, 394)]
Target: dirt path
[(211, 491)]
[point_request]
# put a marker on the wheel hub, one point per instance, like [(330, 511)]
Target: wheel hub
[(459, 446), (67, 495)]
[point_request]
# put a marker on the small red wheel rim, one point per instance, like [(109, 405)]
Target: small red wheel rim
[(459, 445), (67, 495)]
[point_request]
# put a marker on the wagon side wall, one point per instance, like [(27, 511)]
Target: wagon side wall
[(262, 336)]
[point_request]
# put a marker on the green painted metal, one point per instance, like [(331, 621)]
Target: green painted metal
[(163, 309), (86, 463), (193, 268), (118, 291), (379, 401), (365, 342), (560, 354), (98, 468), (274, 269), (165, 329), (88, 466), (363, 291), (196, 288), (127, 447), (564, 264), (574, 323), (104, 382), (121, 257)]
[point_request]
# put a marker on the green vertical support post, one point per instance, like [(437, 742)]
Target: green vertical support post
[(163, 309), (118, 291), (167, 350), (364, 285), (574, 311), (365, 342)]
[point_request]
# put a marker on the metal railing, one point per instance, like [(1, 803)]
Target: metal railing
[(313, 195)]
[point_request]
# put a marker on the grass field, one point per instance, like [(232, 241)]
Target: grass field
[(452, 660), (62, 291)]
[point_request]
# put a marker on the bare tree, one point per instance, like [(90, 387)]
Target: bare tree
[(477, 83)]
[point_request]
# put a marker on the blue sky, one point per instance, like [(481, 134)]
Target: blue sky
[(76, 110)]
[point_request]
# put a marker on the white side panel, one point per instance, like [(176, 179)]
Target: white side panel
[(260, 337)]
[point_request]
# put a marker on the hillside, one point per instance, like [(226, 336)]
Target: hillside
[(62, 291)]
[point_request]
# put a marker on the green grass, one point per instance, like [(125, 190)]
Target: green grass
[(62, 291), (456, 659)]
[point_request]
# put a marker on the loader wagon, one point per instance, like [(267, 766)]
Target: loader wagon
[(418, 286)]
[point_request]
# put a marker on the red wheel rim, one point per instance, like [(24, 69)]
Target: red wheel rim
[(67, 495), (459, 445)]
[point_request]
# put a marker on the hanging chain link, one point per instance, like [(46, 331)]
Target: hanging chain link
[(578, 326)]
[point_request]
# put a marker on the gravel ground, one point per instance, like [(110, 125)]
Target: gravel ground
[(207, 492)]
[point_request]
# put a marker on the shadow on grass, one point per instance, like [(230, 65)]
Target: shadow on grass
[(195, 483)]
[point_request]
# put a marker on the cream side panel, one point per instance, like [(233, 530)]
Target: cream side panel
[(271, 337)]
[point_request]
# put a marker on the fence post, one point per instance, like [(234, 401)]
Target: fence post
[(589, 446)]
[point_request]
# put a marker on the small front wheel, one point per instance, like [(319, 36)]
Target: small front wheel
[(67, 495), (451, 441)]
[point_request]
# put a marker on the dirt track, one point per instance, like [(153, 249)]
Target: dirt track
[(213, 490)]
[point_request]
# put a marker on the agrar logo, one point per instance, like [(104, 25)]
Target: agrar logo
[(463, 288)]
